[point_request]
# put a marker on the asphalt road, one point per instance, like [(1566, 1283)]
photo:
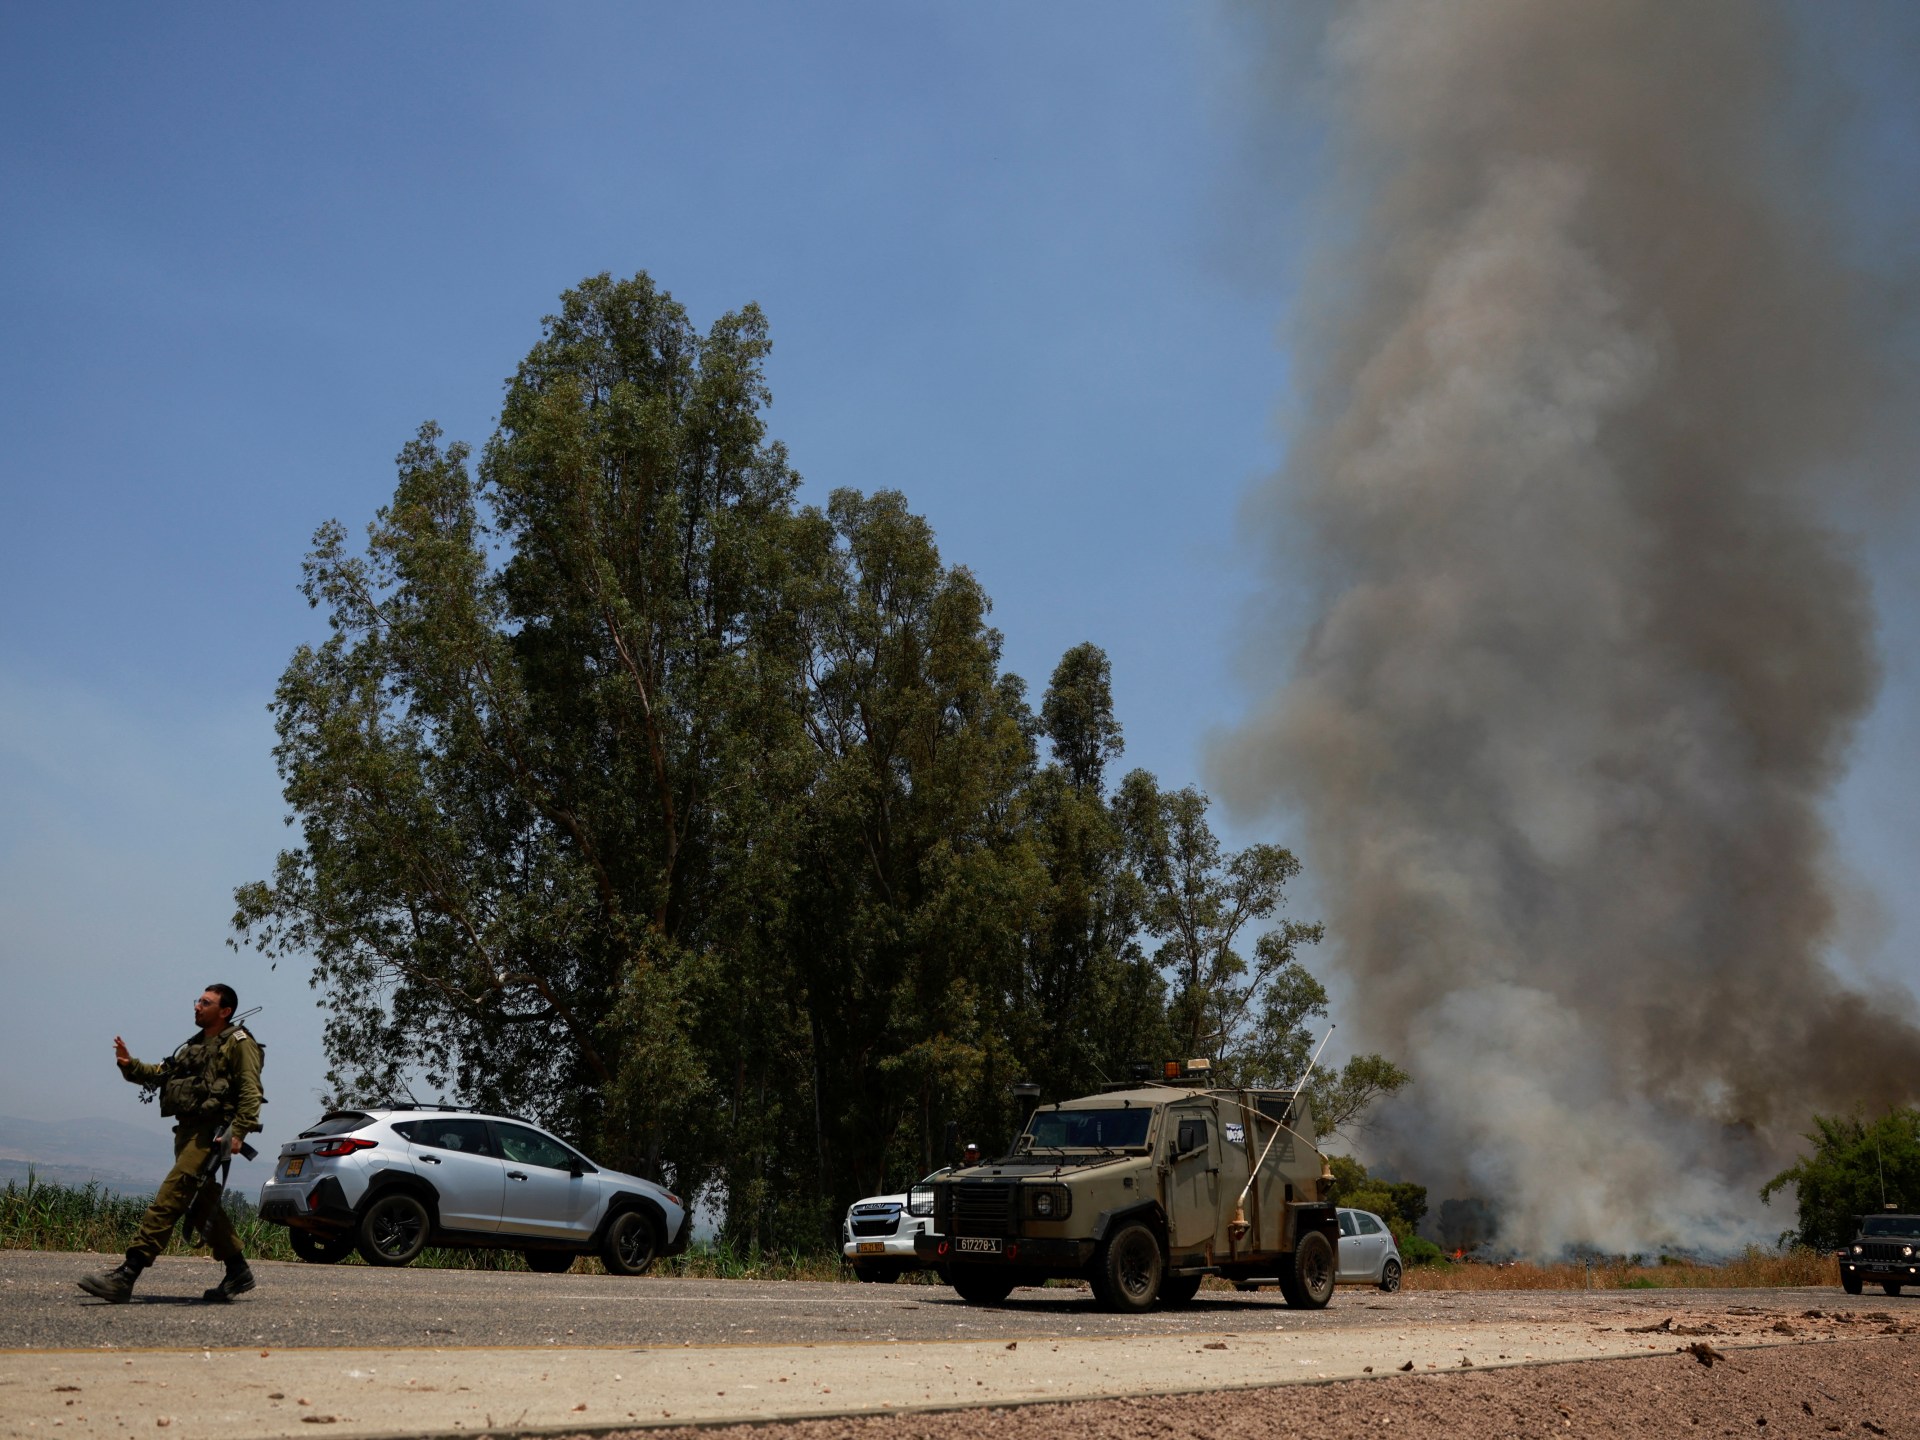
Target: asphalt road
[(378, 1354), (354, 1307)]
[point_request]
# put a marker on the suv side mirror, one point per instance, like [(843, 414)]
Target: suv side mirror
[(1192, 1136), (574, 1167)]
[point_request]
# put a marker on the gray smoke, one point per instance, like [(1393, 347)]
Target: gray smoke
[(1584, 371)]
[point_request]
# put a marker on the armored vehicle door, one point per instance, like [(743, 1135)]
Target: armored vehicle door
[(1193, 1177)]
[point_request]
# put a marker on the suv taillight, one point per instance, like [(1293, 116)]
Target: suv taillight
[(346, 1145)]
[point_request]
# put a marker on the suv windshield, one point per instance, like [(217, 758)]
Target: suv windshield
[(1904, 1227), (1089, 1129)]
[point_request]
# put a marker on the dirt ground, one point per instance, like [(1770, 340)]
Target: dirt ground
[(1863, 1388)]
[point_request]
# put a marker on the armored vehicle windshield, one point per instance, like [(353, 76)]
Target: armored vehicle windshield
[(1115, 1129)]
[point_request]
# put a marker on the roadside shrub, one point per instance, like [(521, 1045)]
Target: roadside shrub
[(1417, 1251)]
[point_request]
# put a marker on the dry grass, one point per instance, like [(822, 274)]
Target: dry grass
[(1756, 1268)]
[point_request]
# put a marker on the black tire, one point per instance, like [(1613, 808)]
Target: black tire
[(318, 1249), (1851, 1284), (876, 1274), (1892, 1287), (1390, 1275), (549, 1262), (630, 1244), (1306, 1276), (1128, 1270), (393, 1229), (1179, 1289), (982, 1284)]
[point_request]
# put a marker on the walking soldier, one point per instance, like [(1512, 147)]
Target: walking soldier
[(210, 1086)]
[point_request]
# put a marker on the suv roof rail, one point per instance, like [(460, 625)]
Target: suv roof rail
[(435, 1109)]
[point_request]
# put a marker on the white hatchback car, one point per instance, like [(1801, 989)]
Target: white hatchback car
[(877, 1236), (1368, 1255), (390, 1182)]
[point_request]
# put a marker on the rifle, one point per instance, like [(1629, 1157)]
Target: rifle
[(213, 1180)]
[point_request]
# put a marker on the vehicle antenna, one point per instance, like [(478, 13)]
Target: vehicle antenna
[(1240, 1202), (246, 1015)]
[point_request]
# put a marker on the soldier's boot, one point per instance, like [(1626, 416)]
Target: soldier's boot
[(115, 1286), (237, 1281)]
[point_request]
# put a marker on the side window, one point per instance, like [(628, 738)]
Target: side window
[(467, 1136), (525, 1146), (1368, 1225), (1346, 1223)]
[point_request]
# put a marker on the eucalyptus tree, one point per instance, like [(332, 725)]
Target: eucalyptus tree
[(524, 762)]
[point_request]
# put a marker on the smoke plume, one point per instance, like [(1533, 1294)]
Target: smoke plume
[(1582, 375)]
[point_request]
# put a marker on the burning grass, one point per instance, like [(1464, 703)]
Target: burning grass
[(1755, 1268)]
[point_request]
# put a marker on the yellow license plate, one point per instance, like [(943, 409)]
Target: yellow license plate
[(872, 1247), (296, 1165)]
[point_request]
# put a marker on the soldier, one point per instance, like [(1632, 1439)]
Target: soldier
[(210, 1081)]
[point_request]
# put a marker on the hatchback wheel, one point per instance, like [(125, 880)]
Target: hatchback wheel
[(1390, 1276), (393, 1230), (631, 1243)]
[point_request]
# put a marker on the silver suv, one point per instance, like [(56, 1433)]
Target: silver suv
[(391, 1182)]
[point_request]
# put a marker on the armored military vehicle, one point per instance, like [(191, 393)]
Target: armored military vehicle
[(1143, 1191)]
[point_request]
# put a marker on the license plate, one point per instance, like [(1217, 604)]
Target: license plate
[(296, 1165), (975, 1245), (872, 1247)]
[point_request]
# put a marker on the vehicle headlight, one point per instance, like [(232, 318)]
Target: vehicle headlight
[(1906, 1250), (1859, 1249), (1049, 1202), (920, 1200)]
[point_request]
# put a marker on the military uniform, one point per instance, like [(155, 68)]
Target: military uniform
[(205, 1084)]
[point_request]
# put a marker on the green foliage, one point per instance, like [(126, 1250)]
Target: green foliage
[(705, 827), (1401, 1204), (1857, 1168), (1415, 1250)]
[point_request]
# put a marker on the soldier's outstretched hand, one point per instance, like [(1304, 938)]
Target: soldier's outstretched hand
[(122, 1056)]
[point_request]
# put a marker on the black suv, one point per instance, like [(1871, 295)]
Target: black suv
[(1886, 1250)]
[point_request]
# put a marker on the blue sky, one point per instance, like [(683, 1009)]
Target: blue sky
[(1025, 263)]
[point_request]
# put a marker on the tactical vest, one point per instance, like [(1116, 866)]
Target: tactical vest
[(197, 1085)]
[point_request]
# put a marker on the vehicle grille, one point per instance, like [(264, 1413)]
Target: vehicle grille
[(1884, 1251), (982, 1209), (881, 1224)]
